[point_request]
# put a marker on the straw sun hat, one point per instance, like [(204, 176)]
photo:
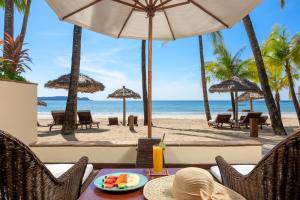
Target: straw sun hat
[(188, 184)]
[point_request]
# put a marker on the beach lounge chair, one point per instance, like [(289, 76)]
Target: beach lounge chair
[(85, 118), (24, 176), (220, 120), (58, 119), (113, 121), (263, 121), (276, 176), (135, 120), (244, 121)]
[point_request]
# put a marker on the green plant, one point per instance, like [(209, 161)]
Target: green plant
[(17, 59)]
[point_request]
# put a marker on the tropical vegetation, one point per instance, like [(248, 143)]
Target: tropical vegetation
[(283, 51), (17, 44), (274, 113), (227, 66)]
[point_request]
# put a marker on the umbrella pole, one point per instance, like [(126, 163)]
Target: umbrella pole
[(150, 17), (236, 110), (124, 111), (251, 104)]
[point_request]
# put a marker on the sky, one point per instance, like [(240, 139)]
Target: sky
[(117, 62)]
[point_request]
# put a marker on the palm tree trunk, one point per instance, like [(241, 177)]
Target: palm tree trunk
[(203, 79), (144, 83), (273, 111), (8, 22), (25, 22), (277, 99), (292, 90), (232, 104), (69, 124)]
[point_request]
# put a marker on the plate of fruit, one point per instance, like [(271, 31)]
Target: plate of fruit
[(118, 182)]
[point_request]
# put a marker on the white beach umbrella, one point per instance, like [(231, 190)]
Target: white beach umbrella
[(152, 19)]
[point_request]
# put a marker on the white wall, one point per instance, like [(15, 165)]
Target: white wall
[(18, 110)]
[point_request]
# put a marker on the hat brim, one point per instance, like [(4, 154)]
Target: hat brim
[(161, 189)]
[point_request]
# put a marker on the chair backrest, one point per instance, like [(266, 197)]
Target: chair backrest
[(223, 118), (263, 119), (250, 115), (144, 157), (84, 116), (277, 175), (22, 174), (58, 117)]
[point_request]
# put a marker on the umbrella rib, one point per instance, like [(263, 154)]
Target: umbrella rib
[(209, 13), (165, 13), (137, 2), (80, 9), (129, 4), (174, 5), (127, 19), (161, 4)]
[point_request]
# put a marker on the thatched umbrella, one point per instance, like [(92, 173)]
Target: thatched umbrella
[(41, 103), (124, 93), (250, 96), (153, 19), (85, 84), (235, 85)]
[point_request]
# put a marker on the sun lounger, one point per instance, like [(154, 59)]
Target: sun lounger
[(220, 120), (246, 120), (113, 121), (85, 118), (58, 119), (263, 121)]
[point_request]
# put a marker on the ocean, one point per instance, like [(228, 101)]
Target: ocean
[(160, 108)]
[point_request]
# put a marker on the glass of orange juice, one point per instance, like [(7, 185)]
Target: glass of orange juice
[(157, 159)]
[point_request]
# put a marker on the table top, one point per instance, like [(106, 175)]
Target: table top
[(93, 193)]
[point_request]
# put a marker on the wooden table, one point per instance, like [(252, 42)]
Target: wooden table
[(93, 193)]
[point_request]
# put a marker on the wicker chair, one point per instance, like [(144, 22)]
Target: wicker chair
[(23, 176), (276, 176)]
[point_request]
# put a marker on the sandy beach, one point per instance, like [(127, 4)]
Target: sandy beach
[(185, 129)]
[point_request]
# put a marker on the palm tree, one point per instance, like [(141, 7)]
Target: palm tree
[(144, 82), (282, 3), (278, 80), (276, 121), (25, 21), (8, 6), (69, 124), (216, 39), (228, 65), (284, 52)]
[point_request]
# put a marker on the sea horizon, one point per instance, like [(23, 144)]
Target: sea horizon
[(161, 108)]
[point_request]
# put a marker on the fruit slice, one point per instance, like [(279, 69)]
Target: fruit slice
[(121, 179)]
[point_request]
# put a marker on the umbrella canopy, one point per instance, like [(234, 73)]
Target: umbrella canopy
[(124, 93), (171, 18), (85, 84), (152, 19), (247, 96), (250, 96), (235, 85), (41, 103)]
